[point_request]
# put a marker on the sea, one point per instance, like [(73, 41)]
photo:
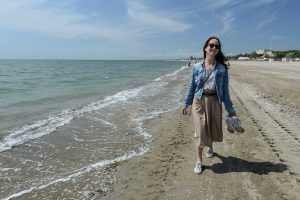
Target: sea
[(64, 122)]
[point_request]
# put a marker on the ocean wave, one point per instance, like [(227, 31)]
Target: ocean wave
[(46, 126), (173, 74)]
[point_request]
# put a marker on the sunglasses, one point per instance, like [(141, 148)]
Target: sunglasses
[(217, 46)]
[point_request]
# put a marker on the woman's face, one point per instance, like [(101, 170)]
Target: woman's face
[(212, 48)]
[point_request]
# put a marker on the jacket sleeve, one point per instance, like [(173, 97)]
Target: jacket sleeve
[(226, 98), (191, 90)]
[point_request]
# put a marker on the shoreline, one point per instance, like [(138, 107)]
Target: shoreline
[(246, 166)]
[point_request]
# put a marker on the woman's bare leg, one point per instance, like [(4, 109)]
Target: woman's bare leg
[(199, 150)]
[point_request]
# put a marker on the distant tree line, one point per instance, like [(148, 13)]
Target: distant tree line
[(277, 55), (287, 54)]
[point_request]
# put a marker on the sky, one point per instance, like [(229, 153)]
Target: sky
[(143, 29)]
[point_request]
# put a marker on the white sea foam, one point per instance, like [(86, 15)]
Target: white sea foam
[(159, 78), (104, 122), (140, 122), (46, 126), (176, 71), (77, 173), (140, 129), (36, 130), (171, 74), (9, 169)]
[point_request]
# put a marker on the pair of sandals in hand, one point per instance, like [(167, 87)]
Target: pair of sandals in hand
[(234, 124)]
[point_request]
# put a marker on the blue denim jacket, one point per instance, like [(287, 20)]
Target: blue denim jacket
[(195, 88)]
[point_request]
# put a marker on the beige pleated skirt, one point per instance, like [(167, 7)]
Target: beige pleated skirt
[(207, 114)]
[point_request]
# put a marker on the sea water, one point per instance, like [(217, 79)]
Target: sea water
[(62, 121)]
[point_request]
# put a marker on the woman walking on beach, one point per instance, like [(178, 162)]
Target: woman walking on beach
[(208, 87)]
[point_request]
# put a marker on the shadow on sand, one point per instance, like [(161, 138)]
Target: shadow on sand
[(233, 164)]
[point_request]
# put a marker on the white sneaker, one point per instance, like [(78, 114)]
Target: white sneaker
[(198, 168), (237, 124), (230, 127), (210, 153), (234, 123)]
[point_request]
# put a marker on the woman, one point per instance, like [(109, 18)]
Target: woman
[(207, 89)]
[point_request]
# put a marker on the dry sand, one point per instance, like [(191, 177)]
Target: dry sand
[(262, 163)]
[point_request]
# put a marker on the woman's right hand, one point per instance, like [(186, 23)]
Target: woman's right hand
[(231, 114), (184, 111)]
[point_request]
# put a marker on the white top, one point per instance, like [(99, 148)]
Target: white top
[(210, 84)]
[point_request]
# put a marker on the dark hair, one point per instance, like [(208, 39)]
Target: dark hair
[(220, 56)]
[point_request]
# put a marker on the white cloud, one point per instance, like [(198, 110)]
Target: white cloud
[(56, 21), (59, 21), (215, 4), (162, 22), (227, 21)]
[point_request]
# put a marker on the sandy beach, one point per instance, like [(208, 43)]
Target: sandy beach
[(262, 163)]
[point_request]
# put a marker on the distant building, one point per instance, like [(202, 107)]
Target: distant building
[(260, 51), (270, 54), (261, 59), (289, 59), (285, 59), (297, 59), (243, 58), (265, 52)]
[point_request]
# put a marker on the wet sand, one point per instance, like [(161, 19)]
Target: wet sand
[(262, 163)]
